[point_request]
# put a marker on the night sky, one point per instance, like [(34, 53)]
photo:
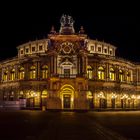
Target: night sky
[(24, 23)]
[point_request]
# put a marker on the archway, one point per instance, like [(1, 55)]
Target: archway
[(67, 96)]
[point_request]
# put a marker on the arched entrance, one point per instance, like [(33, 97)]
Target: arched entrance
[(67, 96)]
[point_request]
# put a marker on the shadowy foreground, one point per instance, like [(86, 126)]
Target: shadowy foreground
[(38, 125)]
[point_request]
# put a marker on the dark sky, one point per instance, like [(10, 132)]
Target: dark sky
[(23, 23)]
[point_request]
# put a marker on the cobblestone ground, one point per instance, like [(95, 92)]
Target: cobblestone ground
[(38, 125)]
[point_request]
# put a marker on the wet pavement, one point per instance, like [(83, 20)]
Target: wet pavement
[(38, 125)]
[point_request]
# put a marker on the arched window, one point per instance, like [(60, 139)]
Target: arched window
[(32, 72), (101, 73), (44, 71), (102, 100), (5, 76), (11, 96), (43, 97), (21, 73), (21, 95), (44, 94), (12, 75), (128, 76), (120, 75), (112, 74), (89, 72)]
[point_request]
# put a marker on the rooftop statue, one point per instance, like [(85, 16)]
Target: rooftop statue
[(66, 20)]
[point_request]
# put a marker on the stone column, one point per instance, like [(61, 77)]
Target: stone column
[(0, 75), (27, 71), (78, 65), (117, 73), (55, 64), (38, 70), (96, 71), (16, 72), (52, 65)]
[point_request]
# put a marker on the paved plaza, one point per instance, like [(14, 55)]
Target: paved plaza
[(46, 125)]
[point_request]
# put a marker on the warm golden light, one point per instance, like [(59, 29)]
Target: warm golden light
[(89, 72), (44, 71), (32, 72), (114, 96), (12, 74), (44, 94), (128, 76), (89, 95), (101, 73), (21, 73), (121, 75), (133, 97), (101, 95), (112, 74), (124, 96), (5, 76)]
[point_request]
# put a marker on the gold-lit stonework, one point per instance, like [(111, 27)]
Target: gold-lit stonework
[(69, 71)]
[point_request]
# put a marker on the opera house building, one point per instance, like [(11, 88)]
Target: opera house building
[(67, 70)]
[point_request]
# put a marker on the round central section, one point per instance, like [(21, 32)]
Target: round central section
[(67, 49)]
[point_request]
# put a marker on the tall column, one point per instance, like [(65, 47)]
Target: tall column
[(107, 72), (8, 75), (0, 75), (117, 73), (86, 63), (83, 64), (27, 75), (38, 70), (16, 72), (78, 65), (55, 64), (96, 71), (52, 65)]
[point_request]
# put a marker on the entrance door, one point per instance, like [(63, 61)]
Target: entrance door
[(113, 103), (66, 101), (90, 101), (30, 102), (67, 73)]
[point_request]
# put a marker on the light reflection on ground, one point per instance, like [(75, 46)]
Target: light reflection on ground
[(38, 125)]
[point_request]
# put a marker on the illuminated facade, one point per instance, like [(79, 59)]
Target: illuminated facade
[(69, 71)]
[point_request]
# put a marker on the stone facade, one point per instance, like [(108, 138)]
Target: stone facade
[(69, 71)]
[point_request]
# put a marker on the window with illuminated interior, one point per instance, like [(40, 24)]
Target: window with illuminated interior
[(44, 71), (5, 76), (128, 76), (89, 72), (21, 95), (12, 74), (32, 72), (112, 74), (43, 98), (92, 48), (120, 75), (21, 73), (44, 94), (101, 73)]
